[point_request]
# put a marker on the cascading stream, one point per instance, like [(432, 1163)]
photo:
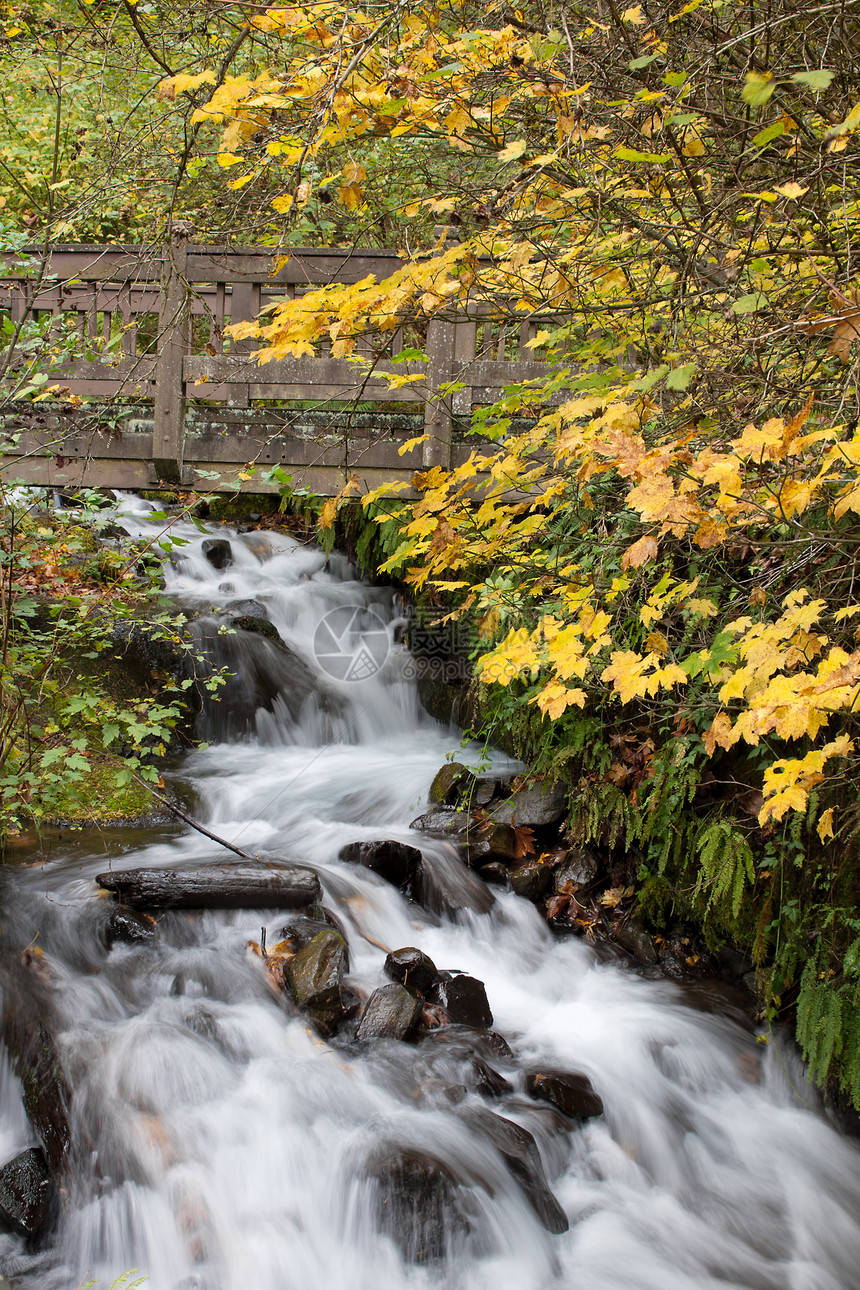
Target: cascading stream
[(221, 1144)]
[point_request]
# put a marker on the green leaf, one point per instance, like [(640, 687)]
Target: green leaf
[(816, 80), (758, 88), (750, 303), (681, 377), (110, 731), (768, 133), (675, 78), (635, 64)]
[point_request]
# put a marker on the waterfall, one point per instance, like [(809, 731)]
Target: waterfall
[(221, 1142)]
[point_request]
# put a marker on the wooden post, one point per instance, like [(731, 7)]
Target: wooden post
[(173, 343), (437, 409)]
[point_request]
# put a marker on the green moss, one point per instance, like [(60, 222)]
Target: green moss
[(97, 799)]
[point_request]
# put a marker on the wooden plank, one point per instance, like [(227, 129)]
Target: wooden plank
[(173, 339)]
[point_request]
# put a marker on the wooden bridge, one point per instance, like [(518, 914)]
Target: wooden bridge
[(162, 397)]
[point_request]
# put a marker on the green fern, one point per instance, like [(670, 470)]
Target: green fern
[(726, 864)]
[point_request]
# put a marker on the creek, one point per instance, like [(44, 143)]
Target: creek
[(220, 1143)]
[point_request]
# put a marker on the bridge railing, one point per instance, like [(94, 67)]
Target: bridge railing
[(153, 323)]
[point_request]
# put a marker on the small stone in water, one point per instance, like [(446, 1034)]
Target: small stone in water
[(218, 552), (129, 926), (464, 999), (530, 880), (25, 1192), (391, 1013), (412, 968), (569, 1091), (394, 861)]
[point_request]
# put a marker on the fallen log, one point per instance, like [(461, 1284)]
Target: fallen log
[(261, 885)]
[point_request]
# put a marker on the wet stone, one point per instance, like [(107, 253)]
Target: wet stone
[(416, 1204), (633, 938), (314, 977), (396, 862), (299, 932), (446, 822), (130, 927), (579, 869), (464, 999), (495, 873), (256, 625), (530, 880), (453, 783), (518, 1149), (218, 552), (499, 842), (534, 807), (391, 1013), (412, 968), (568, 1091), (488, 1080), (25, 1192)]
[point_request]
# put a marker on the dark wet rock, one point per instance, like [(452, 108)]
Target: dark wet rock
[(416, 1201), (485, 791), (496, 873), (464, 999), (578, 869), (130, 927), (218, 552), (452, 784), (633, 937), (396, 862), (530, 880), (391, 1013), (534, 807), (46, 1093), (412, 968), (568, 1091), (299, 932), (260, 674), (446, 822), (519, 1151), (733, 962), (445, 886), (242, 608), (314, 977), (496, 842), (488, 1080), (256, 625), (25, 1192), (242, 885)]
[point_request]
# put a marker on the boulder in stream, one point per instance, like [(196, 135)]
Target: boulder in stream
[(578, 869), (452, 784), (530, 880), (412, 968), (218, 552), (568, 1091), (464, 999), (256, 625), (25, 1192), (396, 862), (130, 927), (535, 806), (518, 1149), (391, 1013), (314, 977), (231, 885), (416, 1201)]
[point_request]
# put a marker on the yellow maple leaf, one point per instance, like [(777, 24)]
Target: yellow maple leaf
[(824, 827), (637, 554), (554, 699)]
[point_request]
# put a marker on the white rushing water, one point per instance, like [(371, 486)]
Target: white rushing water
[(222, 1145)]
